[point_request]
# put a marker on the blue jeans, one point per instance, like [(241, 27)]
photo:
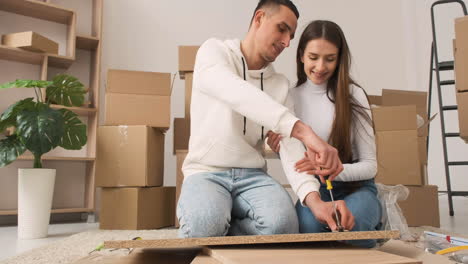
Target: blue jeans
[(360, 198), (234, 202)]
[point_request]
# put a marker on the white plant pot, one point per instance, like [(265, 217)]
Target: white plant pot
[(35, 191)]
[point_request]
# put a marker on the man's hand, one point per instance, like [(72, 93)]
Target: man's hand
[(310, 166), (325, 213), (273, 141), (318, 151)]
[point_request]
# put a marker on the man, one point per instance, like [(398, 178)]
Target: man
[(237, 96)]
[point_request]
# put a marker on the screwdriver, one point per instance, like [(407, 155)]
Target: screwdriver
[(330, 188)]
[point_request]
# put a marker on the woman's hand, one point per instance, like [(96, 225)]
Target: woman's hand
[(324, 212), (273, 141)]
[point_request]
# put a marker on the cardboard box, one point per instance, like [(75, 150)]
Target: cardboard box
[(461, 54), (181, 134), (394, 118), (187, 55), (188, 93), (137, 208), (136, 109), (422, 149), (398, 158), (375, 99), (462, 102), (422, 206), (149, 256), (138, 82), (399, 98), (181, 154), (30, 41), (129, 156)]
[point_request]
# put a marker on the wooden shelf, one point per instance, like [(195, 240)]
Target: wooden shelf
[(20, 55), (37, 9), (87, 42), (54, 211), (29, 157), (46, 11), (81, 111), (59, 61)]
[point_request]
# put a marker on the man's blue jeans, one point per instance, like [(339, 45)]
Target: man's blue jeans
[(234, 202), (362, 202)]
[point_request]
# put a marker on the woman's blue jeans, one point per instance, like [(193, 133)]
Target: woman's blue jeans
[(361, 199)]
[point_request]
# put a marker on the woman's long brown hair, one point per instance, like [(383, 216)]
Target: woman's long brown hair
[(347, 109)]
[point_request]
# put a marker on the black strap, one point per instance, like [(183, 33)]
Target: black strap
[(245, 119)]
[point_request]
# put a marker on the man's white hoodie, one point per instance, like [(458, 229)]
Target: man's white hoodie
[(220, 139)]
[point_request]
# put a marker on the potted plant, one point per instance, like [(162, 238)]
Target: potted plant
[(39, 128)]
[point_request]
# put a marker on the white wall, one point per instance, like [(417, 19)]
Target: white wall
[(389, 41)]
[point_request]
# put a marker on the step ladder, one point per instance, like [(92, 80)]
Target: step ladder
[(437, 67)]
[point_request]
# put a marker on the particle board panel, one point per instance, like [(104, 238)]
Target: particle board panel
[(242, 240), (293, 255)]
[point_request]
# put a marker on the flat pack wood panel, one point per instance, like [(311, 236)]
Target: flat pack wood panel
[(293, 255), (202, 258), (144, 256), (242, 240)]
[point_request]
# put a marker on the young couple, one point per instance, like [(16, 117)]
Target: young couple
[(238, 100)]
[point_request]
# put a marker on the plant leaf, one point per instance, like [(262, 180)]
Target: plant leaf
[(10, 148), (8, 118), (21, 83), (74, 131), (40, 129), (66, 90)]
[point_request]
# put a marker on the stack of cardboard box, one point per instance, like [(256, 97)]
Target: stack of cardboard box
[(130, 152), (187, 56), (461, 73), (400, 122)]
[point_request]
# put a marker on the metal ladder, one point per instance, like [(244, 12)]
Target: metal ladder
[(437, 67)]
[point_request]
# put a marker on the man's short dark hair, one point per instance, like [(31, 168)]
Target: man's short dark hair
[(275, 4)]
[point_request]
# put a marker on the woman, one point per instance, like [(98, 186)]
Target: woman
[(327, 99)]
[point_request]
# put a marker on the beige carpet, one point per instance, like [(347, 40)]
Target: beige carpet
[(71, 249)]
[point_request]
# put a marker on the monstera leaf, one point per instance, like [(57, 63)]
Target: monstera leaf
[(8, 118), (66, 90), (26, 84), (40, 129), (10, 148), (74, 131)]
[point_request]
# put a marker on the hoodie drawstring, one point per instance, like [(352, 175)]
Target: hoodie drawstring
[(261, 86), (245, 119)]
